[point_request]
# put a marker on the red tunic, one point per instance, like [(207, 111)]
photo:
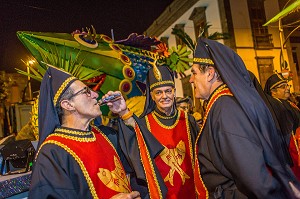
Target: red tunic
[(97, 159), (175, 162)]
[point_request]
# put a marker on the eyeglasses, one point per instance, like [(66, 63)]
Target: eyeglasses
[(86, 90), (168, 92), (283, 86)]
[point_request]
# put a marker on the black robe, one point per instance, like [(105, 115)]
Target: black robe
[(56, 174), (294, 112), (230, 155)]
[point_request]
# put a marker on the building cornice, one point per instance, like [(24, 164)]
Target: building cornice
[(176, 9)]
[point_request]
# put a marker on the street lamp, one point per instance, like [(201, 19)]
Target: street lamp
[(28, 64)]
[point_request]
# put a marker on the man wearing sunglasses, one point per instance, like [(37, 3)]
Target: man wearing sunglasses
[(277, 87), (287, 114), (159, 144), (75, 159)]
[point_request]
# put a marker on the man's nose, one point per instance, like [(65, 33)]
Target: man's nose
[(95, 94), (164, 95)]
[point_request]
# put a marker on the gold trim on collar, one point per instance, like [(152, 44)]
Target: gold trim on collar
[(74, 132), (161, 83), (78, 139), (165, 117), (161, 124), (61, 89), (203, 60)]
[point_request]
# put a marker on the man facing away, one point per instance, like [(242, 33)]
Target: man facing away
[(237, 152), (74, 158), (159, 144)]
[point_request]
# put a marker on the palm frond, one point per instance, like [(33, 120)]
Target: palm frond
[(186, 39)]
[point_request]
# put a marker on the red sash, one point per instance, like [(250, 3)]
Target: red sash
[(152, 182), (98, 161), (294, 151), (175, 163), (200, 186)]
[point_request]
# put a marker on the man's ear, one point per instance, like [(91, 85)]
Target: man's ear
[(211, 73), (151, 94), (67, 105)]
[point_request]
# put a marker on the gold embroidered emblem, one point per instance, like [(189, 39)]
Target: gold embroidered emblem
[(174, 158), (116, 179), (156, 72)]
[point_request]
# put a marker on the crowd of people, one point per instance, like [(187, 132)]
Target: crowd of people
[(243, 146)]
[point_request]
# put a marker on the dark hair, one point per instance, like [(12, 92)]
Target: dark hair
[(203, 68), (67, 94)]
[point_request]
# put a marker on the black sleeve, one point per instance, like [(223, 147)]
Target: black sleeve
[(131, 149), (241, 152), (113, 136), (194, 128), (51, 176)]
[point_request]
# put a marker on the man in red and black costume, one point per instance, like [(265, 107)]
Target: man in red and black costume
[(287, 114), (238, 151), (74, 158), (159, 144)]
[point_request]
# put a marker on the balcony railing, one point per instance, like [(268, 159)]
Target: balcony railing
[(264, 41)]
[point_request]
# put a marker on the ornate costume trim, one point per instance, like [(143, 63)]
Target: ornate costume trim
[(200, 186), (156, 72), (78, 139), (277, 83), (203, 60), (293, 105), (62, 88), (296, 139), (161, 124), (153, 185), (78, 160), (161, 83), (175, 162), (165, 117), (189, 138), (74, 132), (106, 138), (277, 99), (110, 175), (128, 115)]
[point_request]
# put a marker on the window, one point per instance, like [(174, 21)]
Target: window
[(165, 40), (199, 19), (295, 58), (178, 40), (265, 68), (186, 86), (262, 39)]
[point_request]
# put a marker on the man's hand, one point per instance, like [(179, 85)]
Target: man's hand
[(119, 106), (132, 195)]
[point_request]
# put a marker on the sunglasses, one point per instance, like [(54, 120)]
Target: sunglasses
[(86, 90)]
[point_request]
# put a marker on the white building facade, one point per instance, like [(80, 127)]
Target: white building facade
[(258, 46)]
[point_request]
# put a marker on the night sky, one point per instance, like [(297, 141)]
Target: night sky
[(123, 16)]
